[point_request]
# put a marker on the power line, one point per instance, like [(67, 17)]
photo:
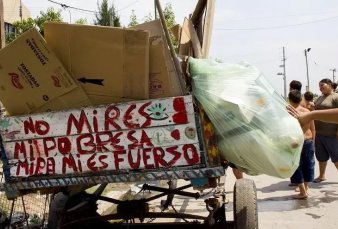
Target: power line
[(127, 6), (286, 16), (89, 11), (277, 27), (71, 7)]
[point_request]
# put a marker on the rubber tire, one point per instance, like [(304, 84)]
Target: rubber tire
[(245, 204)]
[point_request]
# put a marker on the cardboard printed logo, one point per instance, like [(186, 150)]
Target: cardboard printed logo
[(15, 80), (56, 81)]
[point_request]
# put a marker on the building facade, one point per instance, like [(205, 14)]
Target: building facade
[(14, 10)]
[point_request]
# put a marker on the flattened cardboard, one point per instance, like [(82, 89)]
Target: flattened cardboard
[(184, 48), (76, 98), (164, 81), (159, 76), (111, 64), (189, 36), (176, 31), (31, 76)]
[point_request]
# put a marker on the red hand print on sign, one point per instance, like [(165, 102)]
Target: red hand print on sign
[(181, 116)]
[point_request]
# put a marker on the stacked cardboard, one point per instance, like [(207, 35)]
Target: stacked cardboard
[(163, 77), (111, 64), (32, 77), (80, 65)]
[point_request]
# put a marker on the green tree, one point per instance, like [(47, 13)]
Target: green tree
[(24, 25), (49, 15), (107, 16), (81, 21), (169, 15), (148, 18), (133, 19)]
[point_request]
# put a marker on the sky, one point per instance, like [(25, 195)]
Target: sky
[(245, 30)]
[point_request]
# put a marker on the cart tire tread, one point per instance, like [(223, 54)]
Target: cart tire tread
[(245, 204)]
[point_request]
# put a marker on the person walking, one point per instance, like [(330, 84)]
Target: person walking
[(305, 171), (326, 143), (294, 85)]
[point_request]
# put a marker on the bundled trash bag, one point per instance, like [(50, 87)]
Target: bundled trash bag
[(254, 130)]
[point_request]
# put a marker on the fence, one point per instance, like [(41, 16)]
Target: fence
[(31, 209)]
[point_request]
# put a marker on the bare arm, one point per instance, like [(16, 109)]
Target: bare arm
[(330, 115)]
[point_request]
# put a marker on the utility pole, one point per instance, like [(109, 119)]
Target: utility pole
[(2, 25), (333, 76), (155, 9), (307, 69), (20, 11), (283, 73)]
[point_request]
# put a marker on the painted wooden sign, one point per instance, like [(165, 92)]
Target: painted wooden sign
[(143, 135)]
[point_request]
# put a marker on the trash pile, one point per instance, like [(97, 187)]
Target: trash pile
[(255, 132)]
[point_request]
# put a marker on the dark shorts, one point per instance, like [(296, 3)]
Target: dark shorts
[(326, 148), (305, 171)]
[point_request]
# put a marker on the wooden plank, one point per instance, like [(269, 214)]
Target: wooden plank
[(143, 135), (189, 37), (171, 47), (197, 18), (207, 29), (185, 40), (195, 42), (131, 159), (2, 26), (113, 117), (199, 9), (108, 141)]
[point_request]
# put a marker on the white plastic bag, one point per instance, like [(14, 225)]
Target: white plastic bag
[(255, 131)]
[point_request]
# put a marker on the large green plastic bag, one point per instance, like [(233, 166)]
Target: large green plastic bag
[(254, 130)]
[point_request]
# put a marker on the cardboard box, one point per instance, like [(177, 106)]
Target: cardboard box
[(31, 76), (164, 81), (189, 38), (159, 76), (111, 64)]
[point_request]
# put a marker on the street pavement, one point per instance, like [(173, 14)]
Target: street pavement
[(278, 210), (276, 207)]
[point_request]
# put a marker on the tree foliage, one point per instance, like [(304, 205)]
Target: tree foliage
[(133, 19), (49, 15), (169, 15), (24, 25), (148, 18), (107, 15), (81, 21)]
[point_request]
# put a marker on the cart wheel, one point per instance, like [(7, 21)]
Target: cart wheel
[(245, 204)]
